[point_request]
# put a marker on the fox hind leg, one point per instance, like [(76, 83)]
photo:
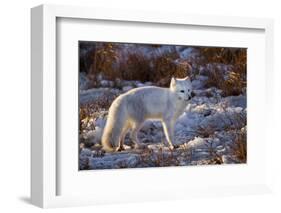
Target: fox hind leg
[(134, 135), (122, 138)]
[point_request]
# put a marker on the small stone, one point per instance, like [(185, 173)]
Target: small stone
[(127, 88)]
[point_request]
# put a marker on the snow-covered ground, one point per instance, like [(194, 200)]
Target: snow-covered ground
[(212, 130)]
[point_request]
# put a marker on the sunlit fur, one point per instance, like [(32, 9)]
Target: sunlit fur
[(131, 109)]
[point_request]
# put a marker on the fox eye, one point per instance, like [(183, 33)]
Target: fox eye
[(182, 91)]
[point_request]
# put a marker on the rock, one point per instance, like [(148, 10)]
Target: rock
[(220, 147), (199, 82), (236, 101), (132, 161), (93, 136), (127, 88), (84, 82), (148, 83), (106, 83), (91, 95), (140, 84), (85, 152), (198, 155), (118, 83), (228, 159), (197, 143), (100, 122)]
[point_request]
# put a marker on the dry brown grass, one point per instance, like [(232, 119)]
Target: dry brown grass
[(239, 149), (205, 132), (224, 55), (136, 67), (159, 158), (103, 59), (164, 68), (235, 82), (157, 67), (93, 110)]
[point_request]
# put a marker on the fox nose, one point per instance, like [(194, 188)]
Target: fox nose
[(192, 94)]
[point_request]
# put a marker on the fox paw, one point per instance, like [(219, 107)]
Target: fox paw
[(176, 146), (139, 146), (120, 148), (171, 147)]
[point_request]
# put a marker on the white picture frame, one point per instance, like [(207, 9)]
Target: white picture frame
[(44, 169)]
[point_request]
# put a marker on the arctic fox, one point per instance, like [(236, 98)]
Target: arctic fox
[(131, 109)]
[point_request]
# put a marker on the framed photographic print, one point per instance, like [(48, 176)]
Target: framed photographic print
[(155, 106)]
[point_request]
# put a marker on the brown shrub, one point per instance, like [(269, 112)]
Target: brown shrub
[(158, 67), (205, 132), (165, 67), (234, 84), (224, 55), (236, 78), (103, 59), (239, 149), (93, 110), (136, 67), (152, 158)]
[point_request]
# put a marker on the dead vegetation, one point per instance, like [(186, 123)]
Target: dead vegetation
[(107, 61), (233, 81), (239, 147), (97, 108), (158, 158), (205, 132)]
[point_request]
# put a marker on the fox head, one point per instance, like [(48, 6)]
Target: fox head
[(182, 88)]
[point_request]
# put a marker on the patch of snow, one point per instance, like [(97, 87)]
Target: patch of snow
[(100, 122), (140, 84), (93, 136), (127, 88), (148, 83), (197, 143), (106, 83), (90, 95), (184, 54), (83, 81)]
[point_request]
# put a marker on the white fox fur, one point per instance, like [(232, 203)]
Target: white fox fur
[(131, 109)]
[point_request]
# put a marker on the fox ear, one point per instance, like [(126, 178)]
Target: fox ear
[(186, 78), (173, 82)]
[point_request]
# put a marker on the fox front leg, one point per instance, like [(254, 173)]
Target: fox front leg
[(121, 146), (169, 133), (134, 135)]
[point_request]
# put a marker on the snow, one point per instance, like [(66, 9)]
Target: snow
[(83, 81), (127, 88), (186, 53), (88, 96), (202, 113)]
